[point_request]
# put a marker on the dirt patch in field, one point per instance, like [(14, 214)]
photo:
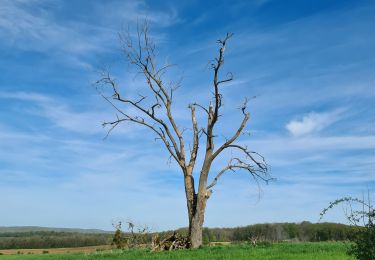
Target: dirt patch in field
[(86, 249), (219, 243)]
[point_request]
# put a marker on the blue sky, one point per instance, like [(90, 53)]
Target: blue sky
[(310, 65)]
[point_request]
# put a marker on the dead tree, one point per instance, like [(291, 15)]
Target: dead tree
[(156, 114)]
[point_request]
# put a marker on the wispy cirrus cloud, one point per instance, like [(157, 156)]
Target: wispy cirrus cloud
[(58, 112), (31, 28), (25, 96), (35, 26)]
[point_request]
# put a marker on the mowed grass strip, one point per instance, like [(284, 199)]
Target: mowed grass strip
[(322, 250)]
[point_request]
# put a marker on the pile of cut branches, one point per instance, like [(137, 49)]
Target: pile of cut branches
[(172, 242)]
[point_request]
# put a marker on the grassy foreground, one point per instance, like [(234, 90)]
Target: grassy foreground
[(323, 250)]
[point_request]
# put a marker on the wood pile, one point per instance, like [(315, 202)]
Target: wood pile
[(172, 242)]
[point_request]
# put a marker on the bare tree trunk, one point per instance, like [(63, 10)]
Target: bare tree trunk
[(196, 228), (196, 205), (190, 199)]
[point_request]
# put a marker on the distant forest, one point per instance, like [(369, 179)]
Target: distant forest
[(51, 239), (275, 232)]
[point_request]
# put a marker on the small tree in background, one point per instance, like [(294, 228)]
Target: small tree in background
[(118, 238), (361, 214), (136, 236)]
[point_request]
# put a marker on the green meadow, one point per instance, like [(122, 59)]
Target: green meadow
[(281, 251)]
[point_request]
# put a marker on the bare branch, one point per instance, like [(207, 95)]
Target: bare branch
[(216, 66), (233, 138), (112, 127), (143, 56), (145, 61), (117, 96), (202, 107), (244, 106), (140, 100), (194, 152), (141, 121), (214, 182), (160, 72), (237, 163), (229, 78)]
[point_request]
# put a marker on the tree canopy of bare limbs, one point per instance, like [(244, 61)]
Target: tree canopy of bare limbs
[(155, 112)]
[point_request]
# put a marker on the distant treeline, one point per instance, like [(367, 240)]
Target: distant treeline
[(304, 231), (51, 239)]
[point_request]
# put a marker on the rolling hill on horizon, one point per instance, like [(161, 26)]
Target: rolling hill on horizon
[(18, 229)]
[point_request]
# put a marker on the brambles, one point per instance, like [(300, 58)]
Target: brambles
[(259, 241), (364, 243), (360, 214), (136, 236)]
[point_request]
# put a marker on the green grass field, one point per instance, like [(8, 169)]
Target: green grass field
[(324, 250)]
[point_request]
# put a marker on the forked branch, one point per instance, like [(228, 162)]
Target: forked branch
[(258, 171), (143, 56)]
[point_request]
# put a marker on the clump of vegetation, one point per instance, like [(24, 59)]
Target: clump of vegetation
[(118, 238), (259, 241), (361, 215), (137, 236)]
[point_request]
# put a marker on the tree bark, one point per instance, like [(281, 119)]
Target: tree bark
[(196, 230), (196, 205), (199, 207), (190, 198)]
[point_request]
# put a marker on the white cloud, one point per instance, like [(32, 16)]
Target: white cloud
[(59, 112), (33, 25), (38, 31), (25, 96), (288, 147), (313, 122)]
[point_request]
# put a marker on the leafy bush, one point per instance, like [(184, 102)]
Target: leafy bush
[(361, 214), (364, 243)]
